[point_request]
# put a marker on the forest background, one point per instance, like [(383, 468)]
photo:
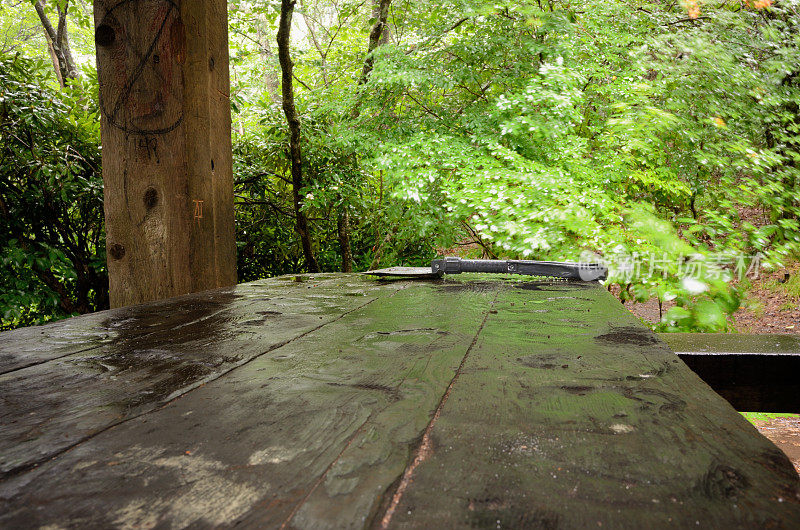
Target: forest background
[(662, 137)]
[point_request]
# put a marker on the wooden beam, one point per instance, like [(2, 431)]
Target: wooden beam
[(754, 372), (164, 95)]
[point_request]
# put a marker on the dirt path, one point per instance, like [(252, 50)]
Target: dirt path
[(782, 430), (768, 307)]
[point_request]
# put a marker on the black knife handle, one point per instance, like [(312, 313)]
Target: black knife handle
[(573, 271), (458, 265)]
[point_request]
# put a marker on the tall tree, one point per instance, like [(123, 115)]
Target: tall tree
[(58, 41), (377, 35), (292, 118)]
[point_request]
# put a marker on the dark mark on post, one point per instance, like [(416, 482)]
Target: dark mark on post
[(116, 251), (104, 35), (150, 198)]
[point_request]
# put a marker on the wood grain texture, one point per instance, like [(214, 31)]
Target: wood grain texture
[(151, 354), (308, 434), (476, 402), (165, 113), (570, 414)]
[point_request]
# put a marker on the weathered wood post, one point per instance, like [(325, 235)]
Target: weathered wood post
[(166, 136)]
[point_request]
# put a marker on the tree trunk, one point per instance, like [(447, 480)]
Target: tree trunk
[(289, 109), (381, 11), (54, 60), (376, 36), (58, 41), (791, 126), (344, 239)]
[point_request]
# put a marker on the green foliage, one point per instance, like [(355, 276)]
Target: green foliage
[(615, 136), (754, 417), (19, 29), (384, 228), (52, 248), (622, 131)]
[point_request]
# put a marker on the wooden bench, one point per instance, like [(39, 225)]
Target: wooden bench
[(754, 372), (332, 401)]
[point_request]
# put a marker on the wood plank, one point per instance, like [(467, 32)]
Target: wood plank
[(568, 413), (451, 403), (165, 111), (310, 434), (33, 345), (24, 347), (746, 343), (153, 353)]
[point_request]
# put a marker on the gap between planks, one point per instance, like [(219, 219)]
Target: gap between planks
[(423, 450), (324, 473)]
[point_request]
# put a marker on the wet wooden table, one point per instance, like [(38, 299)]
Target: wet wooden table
[(336, 401)]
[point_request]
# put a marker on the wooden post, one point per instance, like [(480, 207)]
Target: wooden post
[(166, 134)]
